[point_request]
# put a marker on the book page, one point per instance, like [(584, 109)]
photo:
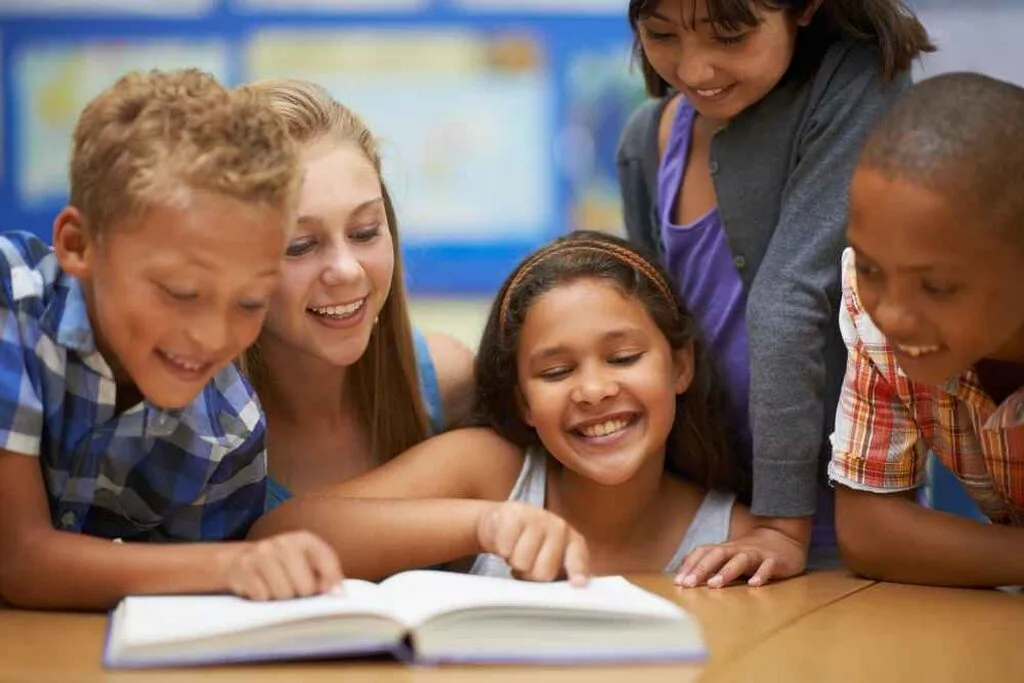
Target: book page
[(148, 620), (418, 596)]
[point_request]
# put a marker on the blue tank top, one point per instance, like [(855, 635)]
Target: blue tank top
[(277, 493)]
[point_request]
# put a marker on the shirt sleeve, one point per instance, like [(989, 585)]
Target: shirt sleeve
[(792, 305), (876, 445), (637, 161), (21, 408), (236, 494)]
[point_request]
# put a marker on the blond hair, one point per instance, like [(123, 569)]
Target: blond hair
[(153, 138), (383, 384)]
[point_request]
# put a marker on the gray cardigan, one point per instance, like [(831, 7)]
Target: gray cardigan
[(781, 171)]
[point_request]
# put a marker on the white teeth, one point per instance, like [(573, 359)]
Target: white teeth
[(183, 363), (604, 428), (345, 311), (710, 93), (915, 351)]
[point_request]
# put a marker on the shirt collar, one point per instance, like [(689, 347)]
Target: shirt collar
[(223, 413), (967, 387)]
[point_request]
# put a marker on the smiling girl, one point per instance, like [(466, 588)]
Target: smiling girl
[(737, 172), (601, 409)]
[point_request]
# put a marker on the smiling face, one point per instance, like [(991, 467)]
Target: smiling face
[(338, 266), (941, 285), (720, 72), (598, 380), (175, 295)]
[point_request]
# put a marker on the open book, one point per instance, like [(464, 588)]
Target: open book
[(423, 616)]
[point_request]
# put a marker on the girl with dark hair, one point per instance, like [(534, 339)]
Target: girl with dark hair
[(736, 173)]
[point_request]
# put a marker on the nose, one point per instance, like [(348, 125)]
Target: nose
[(895, 319), (694, 67), (593, 386), (342, 266), (210, 331)]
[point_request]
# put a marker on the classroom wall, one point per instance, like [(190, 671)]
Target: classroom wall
[(499, 117)]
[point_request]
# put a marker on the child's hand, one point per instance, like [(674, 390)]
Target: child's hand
[(764, 554), (285, 566), (536, 543)]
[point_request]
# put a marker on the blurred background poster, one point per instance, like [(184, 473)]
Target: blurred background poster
[(89, 8), (499, 118), (465, 121), (326, 6), (53, 81)]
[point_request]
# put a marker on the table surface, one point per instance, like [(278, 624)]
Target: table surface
[(66, 647), (892, 632)]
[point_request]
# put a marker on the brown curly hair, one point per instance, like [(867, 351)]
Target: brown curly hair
[(154, 138)]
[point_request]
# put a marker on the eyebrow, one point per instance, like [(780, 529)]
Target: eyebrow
[(920, 268), (612, 335), (363, 206), (661, 17)]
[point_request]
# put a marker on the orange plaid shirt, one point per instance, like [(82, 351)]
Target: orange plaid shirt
[(886, 423)]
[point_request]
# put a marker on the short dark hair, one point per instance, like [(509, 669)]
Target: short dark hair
[(961, 135), (698, 447)]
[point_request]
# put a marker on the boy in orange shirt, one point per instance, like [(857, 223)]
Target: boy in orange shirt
[(933, 318)]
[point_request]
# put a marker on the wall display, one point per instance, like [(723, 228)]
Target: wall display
[(106, 8), (465, 121), (52, 82)]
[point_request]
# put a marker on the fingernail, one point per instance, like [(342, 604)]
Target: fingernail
[(715, 581), (755, 581), (690, 580)]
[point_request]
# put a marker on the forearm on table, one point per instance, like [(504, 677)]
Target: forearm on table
[(61, 570), (891, 538), (375, 538)]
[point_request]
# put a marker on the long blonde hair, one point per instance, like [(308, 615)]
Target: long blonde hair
[(384, 383)]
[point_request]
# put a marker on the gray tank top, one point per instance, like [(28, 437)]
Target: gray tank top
[(710, 525)]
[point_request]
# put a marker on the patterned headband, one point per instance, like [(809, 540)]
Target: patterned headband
[(622, 254)]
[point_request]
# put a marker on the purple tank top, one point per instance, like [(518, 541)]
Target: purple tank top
[(701, 265)]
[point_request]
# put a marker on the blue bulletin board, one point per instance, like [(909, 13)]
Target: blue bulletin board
[(498, 118)]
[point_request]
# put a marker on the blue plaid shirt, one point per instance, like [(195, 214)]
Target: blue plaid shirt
[(147, 474)]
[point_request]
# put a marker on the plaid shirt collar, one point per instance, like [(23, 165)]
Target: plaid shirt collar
[(68, 323), (967, 387)]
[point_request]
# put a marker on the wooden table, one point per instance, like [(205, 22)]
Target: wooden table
[(65, 648), (892, 632)]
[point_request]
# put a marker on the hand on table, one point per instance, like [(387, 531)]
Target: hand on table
[(763, 554), (288, 565)]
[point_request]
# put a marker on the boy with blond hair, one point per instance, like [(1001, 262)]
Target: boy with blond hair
[(122, 416)]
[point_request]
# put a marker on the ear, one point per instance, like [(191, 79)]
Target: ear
[(682, 368), (73, 243), (523, 407), (805, 17)]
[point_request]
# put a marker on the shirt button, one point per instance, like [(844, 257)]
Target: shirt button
[(740, 262), (67, 520), (713, 167)]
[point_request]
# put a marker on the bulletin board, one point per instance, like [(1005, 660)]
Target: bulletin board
[(498, 118)]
